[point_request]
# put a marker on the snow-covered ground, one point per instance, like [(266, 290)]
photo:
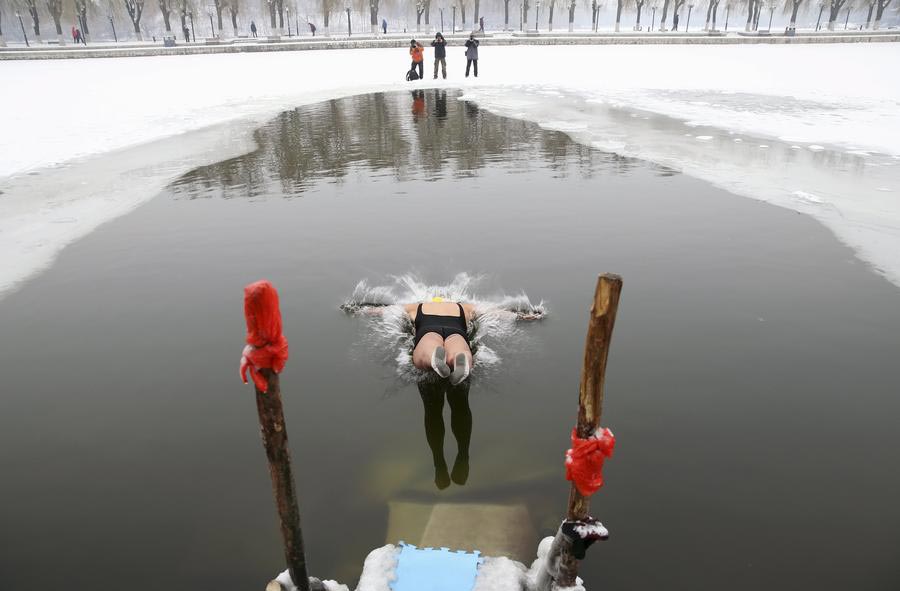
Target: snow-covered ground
[(813, 128)]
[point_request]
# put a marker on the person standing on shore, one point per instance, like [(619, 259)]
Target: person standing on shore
[(384, 26), (440, 55), (481, 24), (472, 54), (312, 29), (417, 52), (675, 22), (253, 29)]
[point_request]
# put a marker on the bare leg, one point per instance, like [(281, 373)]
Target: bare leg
[(459, 356), (433, 401), (424, 351), (461, 425)]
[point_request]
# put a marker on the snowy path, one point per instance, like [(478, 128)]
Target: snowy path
[(841, 100)]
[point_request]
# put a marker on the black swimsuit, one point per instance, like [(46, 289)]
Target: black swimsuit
[(442, 325)]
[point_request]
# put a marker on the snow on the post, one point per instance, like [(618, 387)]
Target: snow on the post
[(588, 530), (705, 110)]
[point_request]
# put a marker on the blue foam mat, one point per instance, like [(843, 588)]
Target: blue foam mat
[(429, 569)]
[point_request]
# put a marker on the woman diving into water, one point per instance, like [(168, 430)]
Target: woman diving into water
[(441, 338), (446, 336)]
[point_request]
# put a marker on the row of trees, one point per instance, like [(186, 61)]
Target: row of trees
[(423, 9)]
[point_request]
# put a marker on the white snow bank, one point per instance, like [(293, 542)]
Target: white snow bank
[(626, 99)]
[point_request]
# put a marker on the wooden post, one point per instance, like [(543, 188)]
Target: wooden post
[(590, 400), (275, 441)]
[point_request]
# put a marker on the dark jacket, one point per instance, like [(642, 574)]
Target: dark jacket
[(472, 49), (440, 48)]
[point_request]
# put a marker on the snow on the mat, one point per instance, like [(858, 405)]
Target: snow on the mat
[(379, 569), (812, 100)]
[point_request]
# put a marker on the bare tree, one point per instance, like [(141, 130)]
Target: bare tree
[(327, 7), (55, 8), (462, 14), (279, 8), (676, 6), (751, 10), (220, 6), (234, 7), (31, 5), (880, 5), (834, 12), (639, 5), (711, 15), (665, 12), (185, 8), (420, 10), (795, 8), (476, 4), (572, 5), (165, 7), (135, 10), (550, 18), (373, 15), (619, 5), (505, 14), (82, 17)]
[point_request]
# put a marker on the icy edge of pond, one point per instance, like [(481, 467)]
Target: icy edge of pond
[(861, 209)]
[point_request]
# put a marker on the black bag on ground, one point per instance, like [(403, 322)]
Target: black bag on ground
[(412, 75)]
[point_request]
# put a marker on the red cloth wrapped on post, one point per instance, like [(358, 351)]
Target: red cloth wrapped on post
[(584, 462), (267, 347)]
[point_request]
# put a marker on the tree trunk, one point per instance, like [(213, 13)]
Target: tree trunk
[(708, 15), (164, 8), (279, 6), (35, 19), (325, 18), (750, 9), (477, 9), (618, 13), (81, 10), (219, 8), (756, 16), (637, 21), (834, 13), (418, 20), (233, 8), (135, 9), (272, 17), (571, 16), (373, 15), (878, 12), (662, 19), (869, 15), (715, 10), (505, 14), (550, 22), (796, 4), (428, 12), (54, 7), (462, 14)]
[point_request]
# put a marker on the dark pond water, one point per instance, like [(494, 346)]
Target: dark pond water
[(752, 382)]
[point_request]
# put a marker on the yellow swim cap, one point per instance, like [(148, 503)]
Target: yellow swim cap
[(437, 299)]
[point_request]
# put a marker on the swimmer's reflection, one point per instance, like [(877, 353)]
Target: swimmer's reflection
[(433, 394), (418, 105)]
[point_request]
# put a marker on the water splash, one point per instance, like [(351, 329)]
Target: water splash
[(494, 331)]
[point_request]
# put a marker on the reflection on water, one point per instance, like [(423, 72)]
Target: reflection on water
[(432, 136), (433, 394)]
